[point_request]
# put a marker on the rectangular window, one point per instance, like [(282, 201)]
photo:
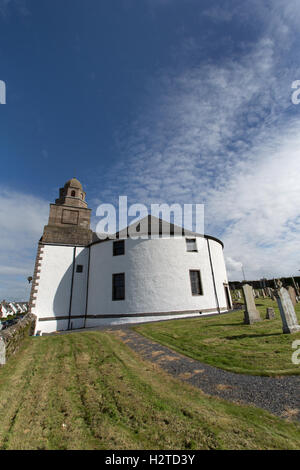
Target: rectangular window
[(119, 248), (191, 244), (79, 268), (196, 284), (118, 286)]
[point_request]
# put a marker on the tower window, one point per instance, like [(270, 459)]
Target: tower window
[(73, 193), (119, 248), (118, 286), (191, 244), (196, 284), (79, 268)]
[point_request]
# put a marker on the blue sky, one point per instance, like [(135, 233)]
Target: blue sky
[(175, 101)]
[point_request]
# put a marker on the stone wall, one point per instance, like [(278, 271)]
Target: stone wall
[(11, 338)]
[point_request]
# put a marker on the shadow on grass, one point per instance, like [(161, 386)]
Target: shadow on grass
[(252, 336), (217, 325)]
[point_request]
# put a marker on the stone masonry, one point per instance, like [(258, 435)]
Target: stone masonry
[(11, 338), (69, 218)]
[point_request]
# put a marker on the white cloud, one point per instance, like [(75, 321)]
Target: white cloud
[(13, 270), (225, 133), (259, 209), (233, 265), (22, 218)]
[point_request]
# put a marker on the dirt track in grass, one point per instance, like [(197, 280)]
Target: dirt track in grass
[(279, 395)]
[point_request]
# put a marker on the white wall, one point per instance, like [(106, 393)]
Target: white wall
[(54, 287), (156, 277), (157, 280), (80, 282), (219, 268)]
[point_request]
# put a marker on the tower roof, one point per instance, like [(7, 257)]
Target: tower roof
[(73, 183)]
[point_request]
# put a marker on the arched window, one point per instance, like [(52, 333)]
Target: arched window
[(73, 193)]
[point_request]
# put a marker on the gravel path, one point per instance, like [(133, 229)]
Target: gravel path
[(280, 396)]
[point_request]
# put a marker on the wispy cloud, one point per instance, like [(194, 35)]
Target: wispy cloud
[(22, 218), (225, 133), (218, 13), (7, 7)]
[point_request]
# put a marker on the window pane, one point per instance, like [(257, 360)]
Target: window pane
[(118, 286), (191, 244), (119, 248), (196, 283)]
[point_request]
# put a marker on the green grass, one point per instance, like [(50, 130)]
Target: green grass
[(90, 391), (225, 342)]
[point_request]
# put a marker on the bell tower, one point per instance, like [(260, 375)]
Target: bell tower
[(69, 218)]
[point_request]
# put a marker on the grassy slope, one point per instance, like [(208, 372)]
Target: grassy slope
[(225, 342), (90, 391)]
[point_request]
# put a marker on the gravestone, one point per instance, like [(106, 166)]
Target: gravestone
[(270, 313), (270, 292), (287, 311), (292, 293), (251, 314)]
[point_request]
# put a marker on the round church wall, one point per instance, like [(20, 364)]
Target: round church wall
[(157, 280)]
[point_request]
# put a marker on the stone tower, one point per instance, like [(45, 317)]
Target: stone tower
[(69, 218)]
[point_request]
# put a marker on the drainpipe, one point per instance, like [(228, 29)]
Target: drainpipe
[(72, 282), (87, 288), (213, 276)]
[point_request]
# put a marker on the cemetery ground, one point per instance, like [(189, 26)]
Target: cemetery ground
[(89, 390), (225, 342)]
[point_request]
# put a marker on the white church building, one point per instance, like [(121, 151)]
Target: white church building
[(81, 281)]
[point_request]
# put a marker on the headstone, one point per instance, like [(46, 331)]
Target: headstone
[(296, 287), (272, 294), (287, 311), (270, 313), (251, 314), (292, 293)]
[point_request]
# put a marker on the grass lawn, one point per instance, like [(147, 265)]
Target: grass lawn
[(225, 342), (90, 391)]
